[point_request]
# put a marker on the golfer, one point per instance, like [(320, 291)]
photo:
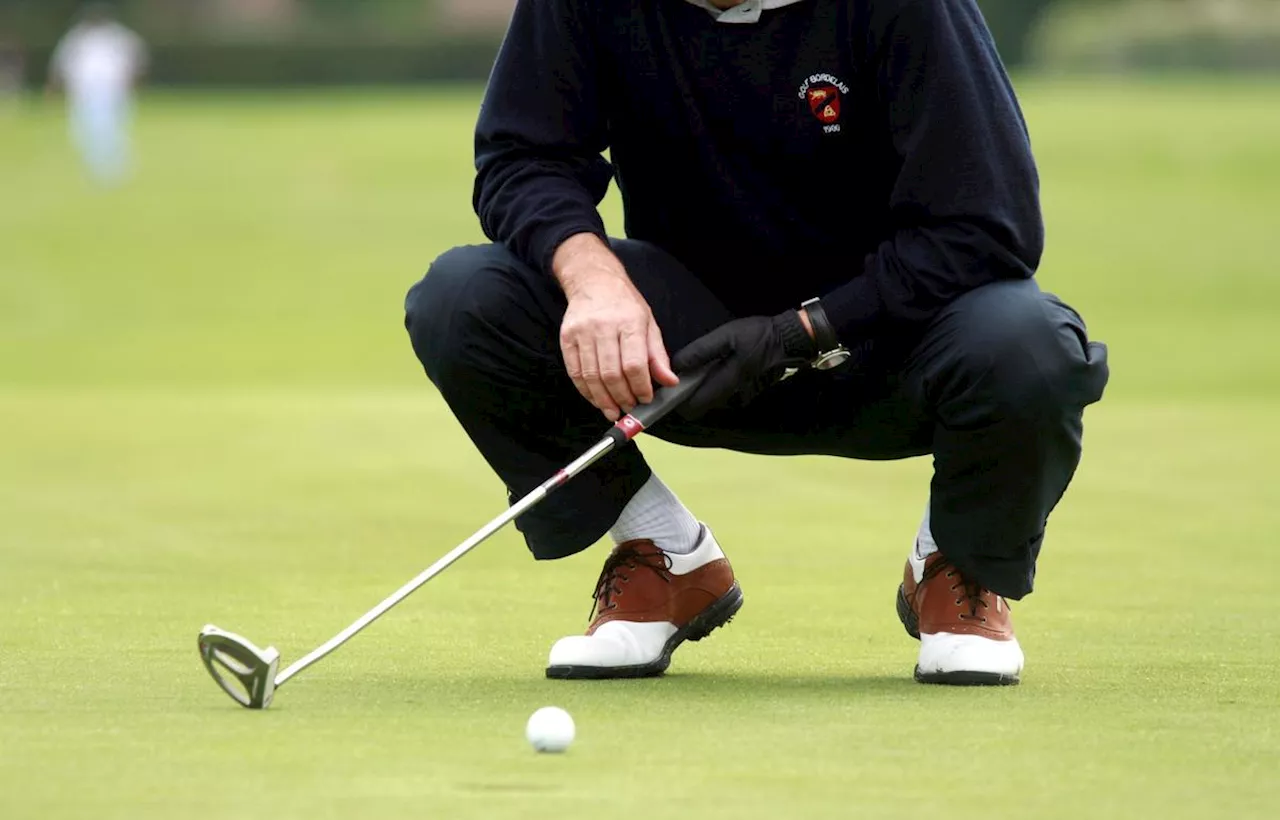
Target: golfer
[(833, 205), (99, 62)]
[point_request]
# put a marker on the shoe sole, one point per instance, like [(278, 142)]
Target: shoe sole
[(963, 678), (704, 623), (911, 623)]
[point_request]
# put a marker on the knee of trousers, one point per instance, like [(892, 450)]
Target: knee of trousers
[(471, 312), (1027, 354)]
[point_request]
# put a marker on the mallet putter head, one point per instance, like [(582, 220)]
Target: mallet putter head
[(245, 672)]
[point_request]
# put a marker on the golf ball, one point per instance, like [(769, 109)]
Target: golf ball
[(550, 729)]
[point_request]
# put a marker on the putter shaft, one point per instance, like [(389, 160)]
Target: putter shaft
[(598, 451)]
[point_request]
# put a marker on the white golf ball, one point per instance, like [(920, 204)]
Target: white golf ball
[(550, 729)]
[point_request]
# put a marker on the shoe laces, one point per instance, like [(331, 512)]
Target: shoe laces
[(967, 591), (624, 559)]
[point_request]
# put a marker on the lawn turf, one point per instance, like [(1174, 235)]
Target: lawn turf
[(209, 412)]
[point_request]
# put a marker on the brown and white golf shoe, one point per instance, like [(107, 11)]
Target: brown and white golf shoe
[(965, 631), (647, 603)]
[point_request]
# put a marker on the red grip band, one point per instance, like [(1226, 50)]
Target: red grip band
[(629, 426)]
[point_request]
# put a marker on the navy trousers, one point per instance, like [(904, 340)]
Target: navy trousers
[(994, 389)]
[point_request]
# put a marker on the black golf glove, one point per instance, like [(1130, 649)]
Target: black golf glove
[(752, 354)]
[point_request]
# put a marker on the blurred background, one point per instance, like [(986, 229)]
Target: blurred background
[(209, 411), (270, 42)]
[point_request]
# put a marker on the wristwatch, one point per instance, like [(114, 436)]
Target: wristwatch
[(830, 352)]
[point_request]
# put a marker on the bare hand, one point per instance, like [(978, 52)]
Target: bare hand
[(613, 349)]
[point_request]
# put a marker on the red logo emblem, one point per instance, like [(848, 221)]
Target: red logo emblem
[(824, 102)]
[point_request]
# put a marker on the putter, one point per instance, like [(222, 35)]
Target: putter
[(248, 673)]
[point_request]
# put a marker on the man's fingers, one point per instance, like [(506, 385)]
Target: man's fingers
[(573, 364), (634, 346), (609, 357), (659, 361), (596, 392)]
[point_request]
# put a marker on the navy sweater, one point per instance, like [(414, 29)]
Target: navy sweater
[(870, 152)]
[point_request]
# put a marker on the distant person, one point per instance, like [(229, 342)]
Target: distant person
[(840, 190), (99, 63)]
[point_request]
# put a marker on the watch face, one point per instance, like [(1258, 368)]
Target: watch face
[(831, 359)]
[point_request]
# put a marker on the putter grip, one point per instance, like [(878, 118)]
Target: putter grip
[(666, 399)]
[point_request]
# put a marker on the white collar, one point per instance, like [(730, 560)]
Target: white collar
[(747, 11)]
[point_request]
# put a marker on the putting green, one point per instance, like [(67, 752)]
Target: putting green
[(209, 412)]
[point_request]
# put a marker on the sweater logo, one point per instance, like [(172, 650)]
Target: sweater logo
[(823, 94)]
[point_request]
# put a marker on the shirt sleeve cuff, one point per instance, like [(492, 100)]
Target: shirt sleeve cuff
[(854, 309), (556, 237)]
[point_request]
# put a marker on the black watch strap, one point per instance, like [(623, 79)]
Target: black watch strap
[(831, 353), (823, 333)]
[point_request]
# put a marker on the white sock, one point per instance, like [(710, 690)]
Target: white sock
[(656, 514), (925, 545)]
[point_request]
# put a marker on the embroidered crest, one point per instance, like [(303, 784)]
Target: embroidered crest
[(824, 94)]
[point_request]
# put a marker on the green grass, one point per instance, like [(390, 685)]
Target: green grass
[(209, 411)]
